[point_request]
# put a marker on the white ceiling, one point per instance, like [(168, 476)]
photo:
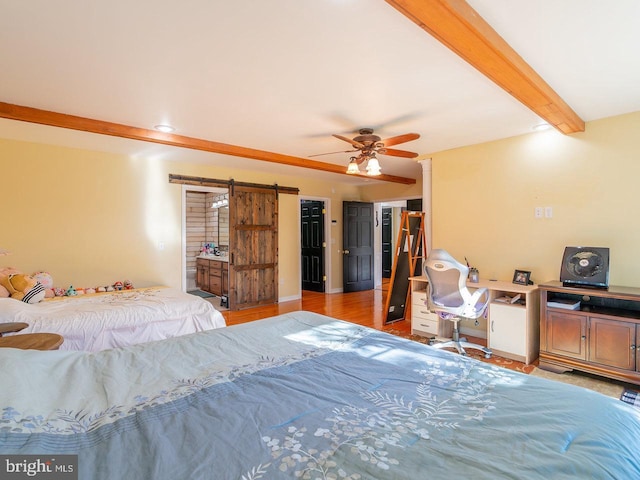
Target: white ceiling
[(283, 75)]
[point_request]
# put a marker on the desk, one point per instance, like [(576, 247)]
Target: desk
[(32, 341), (512, 330)]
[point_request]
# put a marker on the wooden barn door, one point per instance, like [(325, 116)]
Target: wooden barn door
[(253, 235)]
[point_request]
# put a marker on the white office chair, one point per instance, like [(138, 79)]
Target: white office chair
[(449, 296)]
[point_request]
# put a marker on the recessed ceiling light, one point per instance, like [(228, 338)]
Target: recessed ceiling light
[(541, 127), (164, 128)]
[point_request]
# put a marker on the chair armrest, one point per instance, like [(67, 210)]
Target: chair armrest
[(475, 297)]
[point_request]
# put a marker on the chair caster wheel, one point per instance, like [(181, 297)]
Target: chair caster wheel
[(487, 355)]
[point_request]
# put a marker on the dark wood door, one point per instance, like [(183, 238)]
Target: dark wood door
[(313, 245), (253, 234), (387, 236), (357, 245)]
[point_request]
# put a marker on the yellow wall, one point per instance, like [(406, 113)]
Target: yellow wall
[(484, 198), (92, 218)]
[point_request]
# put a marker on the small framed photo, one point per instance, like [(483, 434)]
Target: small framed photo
[(521, 277)]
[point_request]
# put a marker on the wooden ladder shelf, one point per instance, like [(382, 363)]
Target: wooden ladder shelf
[(410, 248)]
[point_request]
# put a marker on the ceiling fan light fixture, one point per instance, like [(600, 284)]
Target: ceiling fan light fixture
[(373, 167), (353, 168)]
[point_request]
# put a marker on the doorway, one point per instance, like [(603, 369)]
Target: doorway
[(201, 224), (313, 245), (358, 243), (386, 232), (387, 252)]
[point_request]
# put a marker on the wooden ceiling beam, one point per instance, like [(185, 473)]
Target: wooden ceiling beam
[(459, 27), (72, 122)]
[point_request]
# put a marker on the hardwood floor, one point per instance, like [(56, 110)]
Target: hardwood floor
[(364, 308)]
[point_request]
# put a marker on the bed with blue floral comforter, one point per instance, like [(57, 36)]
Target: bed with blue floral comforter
[(306, 396)]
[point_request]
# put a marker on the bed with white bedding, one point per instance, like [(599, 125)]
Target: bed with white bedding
[(304, 396), (101, 321)]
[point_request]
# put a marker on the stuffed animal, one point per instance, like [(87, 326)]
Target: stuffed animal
[(118, 285), (128, 285), (5, 272), (89, 290), (101, 289), (23, 287), (47, 282), (71, 292), (59, 292)]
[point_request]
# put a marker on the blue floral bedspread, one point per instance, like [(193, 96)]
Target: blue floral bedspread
[(306, 396)]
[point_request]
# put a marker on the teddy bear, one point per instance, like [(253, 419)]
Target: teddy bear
[(23, 287), (4, 272)]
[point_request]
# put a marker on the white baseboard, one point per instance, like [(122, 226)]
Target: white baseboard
[(289, 299)]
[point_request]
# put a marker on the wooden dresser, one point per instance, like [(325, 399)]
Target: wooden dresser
[(600, 337)]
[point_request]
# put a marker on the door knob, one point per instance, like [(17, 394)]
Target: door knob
[(346, 252)]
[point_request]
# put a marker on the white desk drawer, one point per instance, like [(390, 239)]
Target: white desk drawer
[(424, 325), (419, 297), (423, 320)]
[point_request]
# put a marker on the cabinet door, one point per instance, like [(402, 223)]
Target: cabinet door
[(215, 284), (637, 345), (508, 328), (612, 343), (567, 334), (202, 275)]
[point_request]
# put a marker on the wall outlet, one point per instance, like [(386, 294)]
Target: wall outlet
[(548, 212), (537, 212)]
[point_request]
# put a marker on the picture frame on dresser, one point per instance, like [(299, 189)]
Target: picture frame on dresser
[(521, 277)]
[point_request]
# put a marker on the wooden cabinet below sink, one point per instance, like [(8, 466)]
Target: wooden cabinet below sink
[(212, 276)]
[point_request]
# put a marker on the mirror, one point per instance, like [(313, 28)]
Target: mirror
[(217, 218)]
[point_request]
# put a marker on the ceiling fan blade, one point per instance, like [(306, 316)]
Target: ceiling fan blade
[(407, 137), (397, 153), (331, 153), (348, 140)]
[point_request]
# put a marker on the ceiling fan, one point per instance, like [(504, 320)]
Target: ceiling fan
[(369, 145)]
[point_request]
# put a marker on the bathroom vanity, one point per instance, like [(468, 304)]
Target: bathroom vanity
[(212, 274)]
